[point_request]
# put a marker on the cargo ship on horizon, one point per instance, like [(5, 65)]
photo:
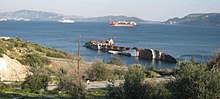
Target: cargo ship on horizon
[(122, 23)]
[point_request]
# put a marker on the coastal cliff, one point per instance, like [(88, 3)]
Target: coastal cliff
[(207, 19)]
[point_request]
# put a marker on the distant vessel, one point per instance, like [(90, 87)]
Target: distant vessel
[(123, 23), (3, 19), (66, 21)]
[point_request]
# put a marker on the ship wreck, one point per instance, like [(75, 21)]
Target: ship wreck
[(110, 47)]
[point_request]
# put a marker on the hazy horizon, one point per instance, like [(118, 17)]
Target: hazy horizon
[(158, 10)]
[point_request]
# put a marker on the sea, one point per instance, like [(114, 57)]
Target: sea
[(184, 42)]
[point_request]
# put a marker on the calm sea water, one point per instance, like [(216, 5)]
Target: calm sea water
[(182, 42)]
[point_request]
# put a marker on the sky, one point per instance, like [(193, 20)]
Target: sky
[(153, 10)]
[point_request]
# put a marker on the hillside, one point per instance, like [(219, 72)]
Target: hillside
[(114, 18), (207, 19), (19, 57), (31, 15)]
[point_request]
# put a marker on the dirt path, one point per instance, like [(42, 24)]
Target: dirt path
[(104, 84)]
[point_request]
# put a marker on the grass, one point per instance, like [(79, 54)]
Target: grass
[(90, 93), (100, 93)]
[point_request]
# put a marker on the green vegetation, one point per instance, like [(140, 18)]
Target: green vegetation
[(191, 80), (133, 87), (72, 86), (116, 61), (195, 81), (99, 72), (37, 82), (2, 51), (17, 48), (34, 60), (55, 54), (156, 90)]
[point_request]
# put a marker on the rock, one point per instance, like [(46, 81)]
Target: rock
[(11, 69)]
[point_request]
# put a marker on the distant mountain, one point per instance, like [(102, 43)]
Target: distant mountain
[(114, 18), (208, 19), (34, 16), (31, 15)]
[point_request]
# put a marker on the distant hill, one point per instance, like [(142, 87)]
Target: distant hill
[(114, 18), (208, 19), (31, 15)]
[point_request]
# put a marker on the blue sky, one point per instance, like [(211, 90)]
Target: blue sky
[(157, 10)]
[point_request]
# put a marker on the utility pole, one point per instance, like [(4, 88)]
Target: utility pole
[(78, 65)]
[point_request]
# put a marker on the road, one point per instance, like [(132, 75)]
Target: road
[(104, 84)]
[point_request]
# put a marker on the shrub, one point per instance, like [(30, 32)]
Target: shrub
[(2, 51), (55, 55), (25, 44), (133, 86), (116, 61), (3, 86), (99, 71), (116, 92), (152, 74), (215, 62), (156, 90), (40, 49), (34, 60), (73, 86), (195, 81), (119, 73), (36, 82)]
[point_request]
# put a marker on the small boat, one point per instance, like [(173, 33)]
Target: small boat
[(123, 23), (66, 21)]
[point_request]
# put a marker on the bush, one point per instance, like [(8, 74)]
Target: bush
[(2, 51), (214, 64), (119, 73), (195, 81), (133, 86), (3, 86), (72, 86), (99, 72), (34, 60), (116, 61), (156, 90), (40, 49), (152, 74), (55, 55), (116, 92), (36, 82)]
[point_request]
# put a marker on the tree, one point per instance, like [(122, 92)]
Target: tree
[(99, 71), (116, 61), (156, 90), (73, 86), (214, 63), (195, 81), (133, 86), (37, 81)]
